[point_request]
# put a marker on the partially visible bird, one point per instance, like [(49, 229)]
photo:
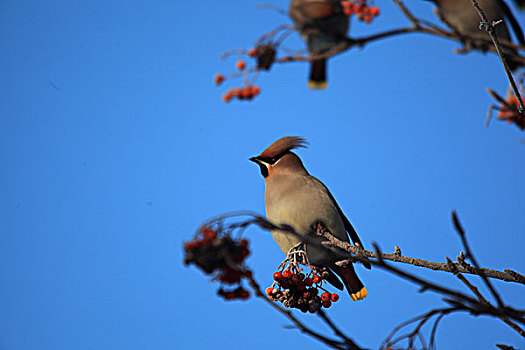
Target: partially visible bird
[(296, 199), (323, 26), (520, 3), (464, 17)]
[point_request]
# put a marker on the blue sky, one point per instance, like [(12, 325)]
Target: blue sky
[(115, 146)]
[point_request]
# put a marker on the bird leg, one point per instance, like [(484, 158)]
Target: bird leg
[(297, 254)]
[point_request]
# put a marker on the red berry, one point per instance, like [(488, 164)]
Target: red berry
[(348, 7), (334, 297), (374, 11), (254, 90), (269, 290), (295, 278), (219, 78), (277, 276), (245, 93), (308, 281), (285, 283), (327, 304), (252, 52), (287, 274), (227, 97), (240, 65), (325, 296), (208, 233), (317, 279)]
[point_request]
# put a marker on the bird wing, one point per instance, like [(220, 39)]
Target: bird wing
[(348, 226), (518, 32)]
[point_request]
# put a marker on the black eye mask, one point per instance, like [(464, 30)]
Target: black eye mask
[(272, 160), (262, 161)]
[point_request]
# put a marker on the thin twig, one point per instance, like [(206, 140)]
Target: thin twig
[(461, 233), (491, 30), (462, 278), (407, 13), (481, 298), (389, 340), (336, 329), (272, 7)]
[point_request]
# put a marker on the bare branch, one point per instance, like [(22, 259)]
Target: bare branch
[(481, 298), (463, 237), (505, 275), (457, 301), (491, 30), (347, 344)]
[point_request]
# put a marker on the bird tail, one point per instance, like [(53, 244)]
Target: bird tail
[(317, 78), (353, 284)]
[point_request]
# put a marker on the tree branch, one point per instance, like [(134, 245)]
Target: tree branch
[(491, 30), (345, 344), (457, 301)]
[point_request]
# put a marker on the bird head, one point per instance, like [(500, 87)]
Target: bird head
[(279, 158)]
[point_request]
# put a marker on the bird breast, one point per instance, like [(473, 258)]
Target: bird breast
[(300, 201)]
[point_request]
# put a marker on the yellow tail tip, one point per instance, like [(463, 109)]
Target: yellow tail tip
[(317, 85), (359, 295)]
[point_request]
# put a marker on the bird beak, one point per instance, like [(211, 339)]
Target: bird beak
[(255, 160)]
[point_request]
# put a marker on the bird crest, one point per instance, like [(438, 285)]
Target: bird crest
[(282, 145)]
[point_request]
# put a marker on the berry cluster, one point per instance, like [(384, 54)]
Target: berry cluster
[(296, 290), (264, 55), (510, 112), (244, 93), (222, 256), (361, 9), (237, 293)]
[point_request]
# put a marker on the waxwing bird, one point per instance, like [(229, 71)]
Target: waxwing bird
[(296, 199), (323, 26), (464, 17)]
